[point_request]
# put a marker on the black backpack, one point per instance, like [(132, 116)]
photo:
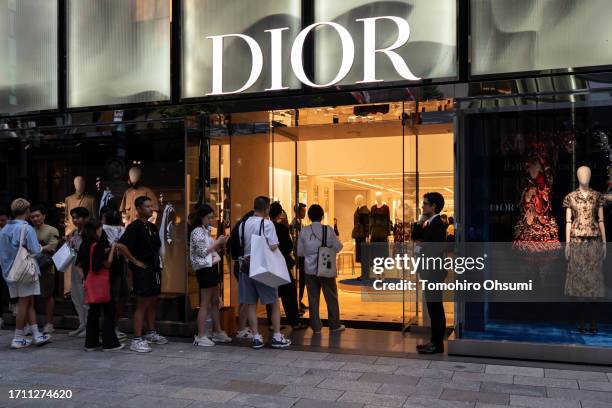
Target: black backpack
[(235, 246)]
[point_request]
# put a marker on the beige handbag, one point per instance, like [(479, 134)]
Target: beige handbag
[(24, 268)]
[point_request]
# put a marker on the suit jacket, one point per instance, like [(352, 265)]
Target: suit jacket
[(433, 239)]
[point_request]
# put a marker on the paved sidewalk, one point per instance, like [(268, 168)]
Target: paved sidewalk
[(179, 375)]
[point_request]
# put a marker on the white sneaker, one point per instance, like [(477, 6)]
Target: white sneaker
[(140, 346), (281, 342), (338, 329), (221, 337), (120, 335), (27, 330), (20, 343), (244, 334), (82, 334), (76, 332), (203, 342), (41, 339), (49, 329), (155, 338)]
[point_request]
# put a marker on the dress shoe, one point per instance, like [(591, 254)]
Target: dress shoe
[(431, 349), (422, 346)]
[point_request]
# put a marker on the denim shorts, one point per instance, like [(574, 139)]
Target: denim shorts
[(249, 290)]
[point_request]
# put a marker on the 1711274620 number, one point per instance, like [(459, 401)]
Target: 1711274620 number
[(40, 394)]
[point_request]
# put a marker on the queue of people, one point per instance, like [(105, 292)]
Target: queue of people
[(105, 251)]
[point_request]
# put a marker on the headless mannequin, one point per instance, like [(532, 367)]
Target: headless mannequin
[(361, 225), (78, 199), (127, 207), (380, 218), (580, 241)]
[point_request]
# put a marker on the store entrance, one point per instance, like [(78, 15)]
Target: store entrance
[(366, 165)]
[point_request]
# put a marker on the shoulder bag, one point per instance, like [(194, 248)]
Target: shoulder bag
[(97, 283), (24, 269), (326, 258), (245, 261)]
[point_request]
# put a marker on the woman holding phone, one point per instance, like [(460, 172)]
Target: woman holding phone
[(205, 261)]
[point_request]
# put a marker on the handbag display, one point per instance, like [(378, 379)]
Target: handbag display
[(326, 258), (97, 283), (64, 258), (24, 268)]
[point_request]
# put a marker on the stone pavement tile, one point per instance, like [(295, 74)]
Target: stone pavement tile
[(483, 405), (546, 382), (203, 394), (351, 358), (595, 385), (580, 395), (425, 372), (538, 402), (338, 375), (264, 401), (437, 384), (252, 387), (155, 402), (575, 375), (370, 368), (426, 402), (102, 397), (514, 389), (324, 365), (188, 380), (215, 356), (152, 390), (304, 355), (389, 379), (66, 382), (345, 385), (455, 366), (203, 404), (475, 396), (403, 362), (52, 403), (405, 390), (266, 360), (311, 403), (274, 369), (482, 377), (301, 391), (306, 380), (139, 366), (595, 404), (610, 377), (379, 400), (514, 370)]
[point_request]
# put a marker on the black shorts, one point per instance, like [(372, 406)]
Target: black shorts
[(208, 277), (147, 282)]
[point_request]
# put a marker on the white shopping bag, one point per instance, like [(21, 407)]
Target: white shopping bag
[(64, 258), (267, 266)]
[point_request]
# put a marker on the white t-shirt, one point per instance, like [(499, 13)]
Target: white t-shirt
[(251, 227)]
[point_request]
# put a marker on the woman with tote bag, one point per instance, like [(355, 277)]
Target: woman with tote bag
[(319, 245)]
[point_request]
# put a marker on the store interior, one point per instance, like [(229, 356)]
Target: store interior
[(346, 159)]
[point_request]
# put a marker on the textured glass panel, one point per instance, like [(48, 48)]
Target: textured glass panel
[(28, 55), (533, 35), (431, 51), (118, 51), (202, 18)]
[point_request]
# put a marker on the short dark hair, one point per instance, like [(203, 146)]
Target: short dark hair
[(40, 208), (299, 206), (276, 209), (4, 211), (90, 230), (261, 203), (140, 201), (111, 216), (315, 213), (202, 212), (80, 212), (436, 199)]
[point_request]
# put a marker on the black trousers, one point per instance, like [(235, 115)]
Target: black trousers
[(301, 265), (109, 338), (438, 323), (288, 295)]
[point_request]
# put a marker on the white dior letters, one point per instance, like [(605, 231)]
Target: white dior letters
[(297, 52)]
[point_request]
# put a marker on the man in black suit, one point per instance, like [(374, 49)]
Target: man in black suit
[(431, 232)]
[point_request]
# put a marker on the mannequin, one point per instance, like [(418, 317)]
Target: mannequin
[(104, 196), (380, 218), (78, 199), (361, 225), (585, 249), (131, 194), (402, 229)]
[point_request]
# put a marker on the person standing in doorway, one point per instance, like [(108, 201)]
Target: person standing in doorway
[(309, 243), (48, 238), (295, 229), (140, 244), (431, 232), (79, 216), (10, 242)]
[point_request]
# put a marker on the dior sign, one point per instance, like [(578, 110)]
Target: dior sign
[(347, 57)]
